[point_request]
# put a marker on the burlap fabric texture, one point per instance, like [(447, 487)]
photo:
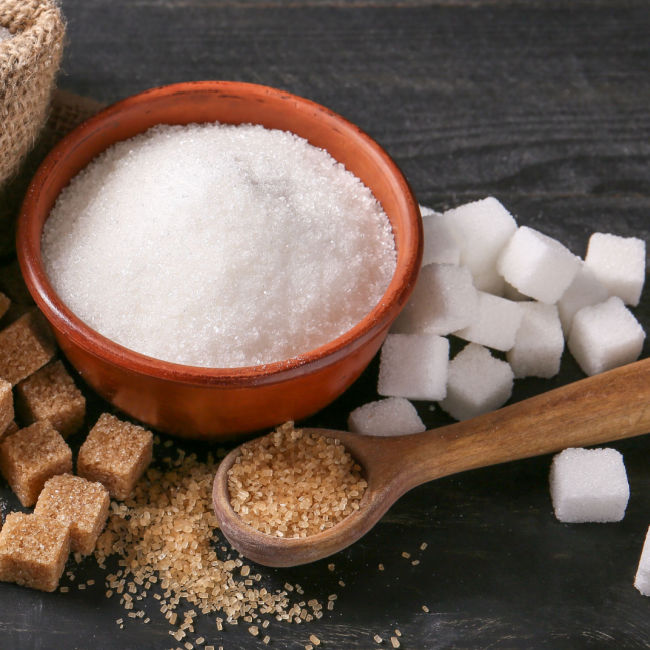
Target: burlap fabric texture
[(29, 61)]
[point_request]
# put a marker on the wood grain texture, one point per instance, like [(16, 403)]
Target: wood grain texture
[(543, 105)]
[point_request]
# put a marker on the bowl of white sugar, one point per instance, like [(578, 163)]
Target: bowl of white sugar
[(219, 257)]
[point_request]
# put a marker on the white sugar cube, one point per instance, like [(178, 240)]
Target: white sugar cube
[(444, 300), (511, 293), (496, 323), (589, 485), (490, 281), (605, 336), (619, 264), (585, 290), (414, 366), (539, 343), (538, 265), (482, 229), (642, 579), (477, 383), (439, 244), (426, 211), (393, 416)]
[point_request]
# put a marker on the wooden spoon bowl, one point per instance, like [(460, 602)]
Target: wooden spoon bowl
[(599, 409)]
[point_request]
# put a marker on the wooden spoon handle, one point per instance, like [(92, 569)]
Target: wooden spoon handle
[(602, 408)]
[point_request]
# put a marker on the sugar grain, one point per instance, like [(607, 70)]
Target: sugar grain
[(192, 244)]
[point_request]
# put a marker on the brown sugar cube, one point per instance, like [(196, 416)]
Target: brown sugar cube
[(77, 503), (12, 428), (25, 346), (50, 394), (32, 455), (12, 314), (6, 405), (115, 453), (33, 551), (13, 284), (4, 304)]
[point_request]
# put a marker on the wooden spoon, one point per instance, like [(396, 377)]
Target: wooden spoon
[(609, 406)]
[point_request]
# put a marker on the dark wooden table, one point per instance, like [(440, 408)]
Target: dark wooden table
[(542, 104)]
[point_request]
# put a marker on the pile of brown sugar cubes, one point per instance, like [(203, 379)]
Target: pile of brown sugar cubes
[(70, 511)]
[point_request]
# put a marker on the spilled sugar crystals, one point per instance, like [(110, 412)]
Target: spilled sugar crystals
[(184, 562), (193, 244), (294, 484)]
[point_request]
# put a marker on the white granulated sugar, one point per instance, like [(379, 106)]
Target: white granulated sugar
[(393, 416), (605, 336), (539, 343), (589, 485), (477, 383), (443, 301), (220, 246), (642, 578), (619, 265), (4, 33)]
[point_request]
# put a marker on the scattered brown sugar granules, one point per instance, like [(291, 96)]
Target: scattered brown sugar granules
[(165, 534), (294, 484)]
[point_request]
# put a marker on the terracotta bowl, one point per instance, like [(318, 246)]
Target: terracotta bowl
[(213, 403)]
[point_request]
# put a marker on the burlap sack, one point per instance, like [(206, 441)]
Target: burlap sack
[(29, 61)]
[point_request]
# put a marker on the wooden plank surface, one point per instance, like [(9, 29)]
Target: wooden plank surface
[(544, 105)]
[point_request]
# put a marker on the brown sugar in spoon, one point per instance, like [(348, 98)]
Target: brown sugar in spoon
[(599, 409)]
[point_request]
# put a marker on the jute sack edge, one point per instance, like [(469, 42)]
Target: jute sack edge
[(29, 61)]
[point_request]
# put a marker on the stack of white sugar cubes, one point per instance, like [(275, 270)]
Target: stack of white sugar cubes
[(520, 292), (506, 288)]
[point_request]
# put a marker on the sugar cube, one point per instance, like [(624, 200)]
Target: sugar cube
[(50, 394), (491, 281), (482, 228), (539, 342), (618, 264), (439, 244), (25, 346), (31, 456), (642, 578), (444, 300), (5, 303), (589, 485), (116, 454), (538, 265), (13, 284), (585, 290), (393, 416), (11, 428), (605, 336), (495, 324), (33, 551), (414, 366), (511, 293), (477, 383), (6, 405), (77, 503), (426, 211)]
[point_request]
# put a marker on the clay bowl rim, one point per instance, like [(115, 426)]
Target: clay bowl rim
[(70, 326)]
